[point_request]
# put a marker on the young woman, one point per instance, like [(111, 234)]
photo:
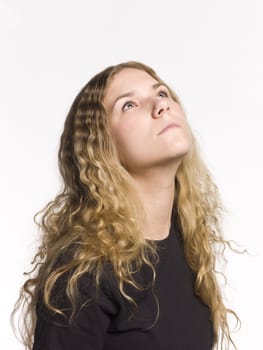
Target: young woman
[(127, 256)]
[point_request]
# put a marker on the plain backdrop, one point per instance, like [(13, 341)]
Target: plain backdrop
[(209, 51)]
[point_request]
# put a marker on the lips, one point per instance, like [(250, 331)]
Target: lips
[(169, 126)]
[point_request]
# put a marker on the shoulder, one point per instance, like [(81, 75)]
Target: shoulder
[(67, 297), (94, 288)]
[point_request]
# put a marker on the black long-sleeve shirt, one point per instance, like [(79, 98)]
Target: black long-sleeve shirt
[(108, 322)]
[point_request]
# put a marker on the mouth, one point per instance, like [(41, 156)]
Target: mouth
[(169, 126)]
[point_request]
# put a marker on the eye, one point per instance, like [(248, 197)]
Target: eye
[(128, 105), (163, 93)]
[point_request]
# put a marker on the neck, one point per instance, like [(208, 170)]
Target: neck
[(156, 191)]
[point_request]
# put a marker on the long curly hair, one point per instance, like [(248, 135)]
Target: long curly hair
[(99, 214)]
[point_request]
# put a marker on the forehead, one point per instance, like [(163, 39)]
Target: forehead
[(129, 79)]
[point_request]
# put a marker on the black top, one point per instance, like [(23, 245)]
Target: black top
[(109, 322)]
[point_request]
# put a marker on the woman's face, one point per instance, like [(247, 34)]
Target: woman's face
[(139, 109)]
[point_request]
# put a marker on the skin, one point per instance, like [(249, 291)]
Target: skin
[(151, 158)]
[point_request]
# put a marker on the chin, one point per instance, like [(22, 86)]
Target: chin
[(181, 149)]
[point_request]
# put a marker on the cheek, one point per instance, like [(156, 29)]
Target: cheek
[(125, 133), (125, 136), (130, 140)]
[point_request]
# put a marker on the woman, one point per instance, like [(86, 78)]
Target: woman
[(127, 256)]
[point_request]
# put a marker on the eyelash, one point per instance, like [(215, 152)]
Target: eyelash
[(162, 91), (131, 102)]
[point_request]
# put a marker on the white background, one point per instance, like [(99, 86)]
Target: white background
[(209, 51)]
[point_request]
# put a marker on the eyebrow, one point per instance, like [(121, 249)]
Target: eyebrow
[(131, 93)]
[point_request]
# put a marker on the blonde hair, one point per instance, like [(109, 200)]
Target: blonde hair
[(98, 216)]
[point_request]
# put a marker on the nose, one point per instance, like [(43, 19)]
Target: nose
[(160, 108)]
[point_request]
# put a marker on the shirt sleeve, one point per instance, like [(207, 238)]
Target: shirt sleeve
[(90, 323)]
